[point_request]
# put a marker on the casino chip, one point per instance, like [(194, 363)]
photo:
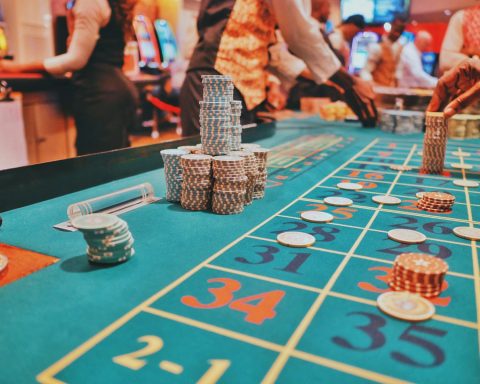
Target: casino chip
[(108, 237), (350, 186), (338, 201), (398, 167), (461, 166), (316, 216), (406, 236), (296, 239), (387, 200), (3, 262), (465, 183), (405, 306), (420, 195), (469, 233)]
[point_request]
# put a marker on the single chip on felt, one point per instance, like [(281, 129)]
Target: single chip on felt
[(399, 167), (468, 233), (460, 154), (296, 239), (316, 216), (387, 200), (338, 201), (465, 183), (461, 166), (406, 236), (420, 195), (405, 306), (420, 153), (3, 263), (350, 186)]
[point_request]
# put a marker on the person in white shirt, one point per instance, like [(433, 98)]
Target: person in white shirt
[(104, 103), (383, 58), (462, 39), (410, 72), (234, 37), (341, 38)]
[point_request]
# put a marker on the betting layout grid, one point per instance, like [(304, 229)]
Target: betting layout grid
[(273, 306)]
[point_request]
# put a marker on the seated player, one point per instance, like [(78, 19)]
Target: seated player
[(462, 39), (410, 72), (457, 88), (234, 39), (341, 38), (383, 57)]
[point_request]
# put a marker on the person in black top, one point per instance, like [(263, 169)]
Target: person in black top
[(105, 101)]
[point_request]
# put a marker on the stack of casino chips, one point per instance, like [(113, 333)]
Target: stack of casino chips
[(418, 273), (436, 202), (191, 149), (197, 181), (434, 143), (230, 183), (108, 237), (262, 156), (251, 171), (216, 114), (173, 172), (401, 122), (236, 133)]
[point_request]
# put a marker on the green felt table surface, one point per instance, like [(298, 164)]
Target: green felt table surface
[(214, 299)]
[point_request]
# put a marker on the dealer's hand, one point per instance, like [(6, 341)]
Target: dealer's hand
[(457, 88)]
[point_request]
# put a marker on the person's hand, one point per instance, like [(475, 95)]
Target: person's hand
[(359, 96), (276, 97), (457, 88), (8, 66)]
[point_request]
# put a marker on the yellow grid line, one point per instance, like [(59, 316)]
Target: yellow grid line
[(282, 359), (47, 376)]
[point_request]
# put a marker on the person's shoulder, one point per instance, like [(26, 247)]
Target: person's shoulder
[(92, 8)]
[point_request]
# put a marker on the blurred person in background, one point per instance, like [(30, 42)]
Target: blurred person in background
[(105, 101), (383, 57), (410, 72), (462, 39), (342, 36)]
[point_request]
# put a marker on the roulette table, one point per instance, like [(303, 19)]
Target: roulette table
[(216, 299)]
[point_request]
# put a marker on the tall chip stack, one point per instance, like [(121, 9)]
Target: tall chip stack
[(230, 184), (434, 143), (251, 171), (173, 173), (197, 182), (262, 156), (236, 138), (216, 114)]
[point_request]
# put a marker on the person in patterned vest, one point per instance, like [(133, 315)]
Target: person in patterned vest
[(383, 58), (234, 36)]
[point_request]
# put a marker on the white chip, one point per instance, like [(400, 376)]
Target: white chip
[(420, 153), (387, 200), (461, 166), (461, 154), (338, 201), (316, 216), (468, 233), (296, 239), (350, 186), (399, 167), (406, 236), (406, 306), (466, 183), (420, 195), (3, 262)]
